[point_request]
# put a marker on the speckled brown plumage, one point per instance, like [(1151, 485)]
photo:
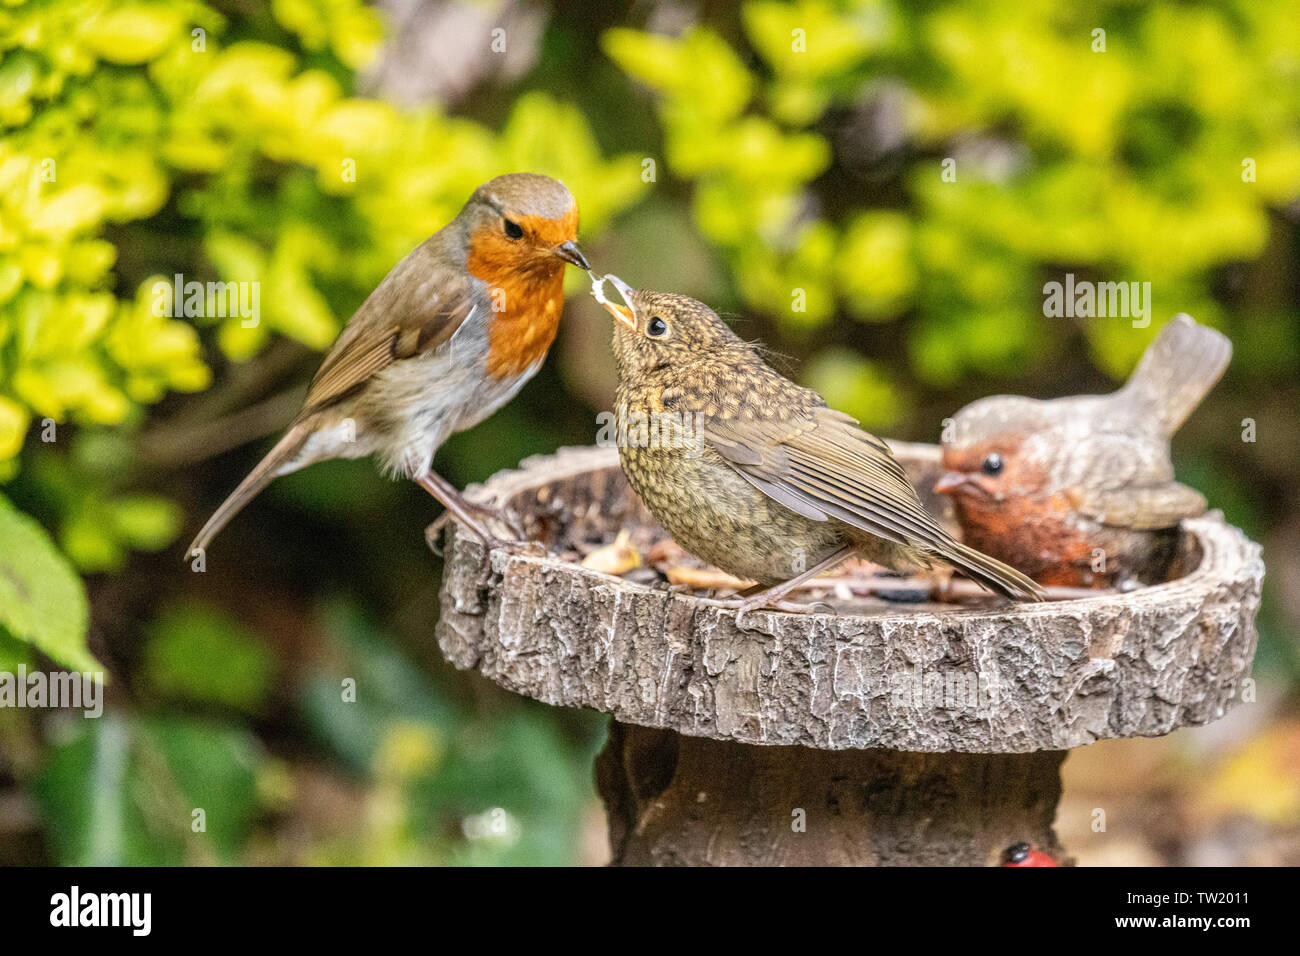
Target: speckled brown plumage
[(770, 480)]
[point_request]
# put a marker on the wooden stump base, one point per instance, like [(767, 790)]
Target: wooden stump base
[(674, 800)]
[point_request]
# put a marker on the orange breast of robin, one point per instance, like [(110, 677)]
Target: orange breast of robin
[(522, 332), (525, 292), (1033, 533)]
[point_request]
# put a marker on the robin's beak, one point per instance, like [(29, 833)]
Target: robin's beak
[(949, 482), (570, 253), (623, 313)]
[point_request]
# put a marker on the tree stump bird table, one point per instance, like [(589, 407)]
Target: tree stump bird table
[(886, 733)]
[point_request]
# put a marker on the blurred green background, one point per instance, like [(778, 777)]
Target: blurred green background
[(783, 161)]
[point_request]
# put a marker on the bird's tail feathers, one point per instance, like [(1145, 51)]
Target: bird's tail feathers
[(991, 573), (257, 479), (1177, 371)]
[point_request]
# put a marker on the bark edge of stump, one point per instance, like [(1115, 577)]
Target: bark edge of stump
[(918, 678)]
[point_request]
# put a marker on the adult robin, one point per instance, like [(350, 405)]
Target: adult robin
[(1080, 491), (449, 336), (766, 481)]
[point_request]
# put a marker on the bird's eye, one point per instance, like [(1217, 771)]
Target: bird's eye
[(656, 327), (514, 230), (993, 464)]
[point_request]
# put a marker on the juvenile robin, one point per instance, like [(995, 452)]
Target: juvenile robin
[(449, 336), (1080, 491), (767, 482)]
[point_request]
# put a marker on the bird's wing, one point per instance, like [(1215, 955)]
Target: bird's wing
[(1125, 479), (819, 463), (417, 307), (1140, 507)]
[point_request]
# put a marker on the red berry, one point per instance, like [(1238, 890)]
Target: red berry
[(1022, 854)]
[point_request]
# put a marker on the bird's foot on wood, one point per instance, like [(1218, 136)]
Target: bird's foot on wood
[(521, 547), (760, 603), (470, 514), (766, 602), (433, 533), (477, 524), (516, 546), (501, 516), (789, 607)]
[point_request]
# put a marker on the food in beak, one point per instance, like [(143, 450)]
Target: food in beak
[(623, 313)]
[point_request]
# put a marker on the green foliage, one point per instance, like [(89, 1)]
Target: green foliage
[(41, 598), (441, 784), (199, 654), (388, 690), (855, 385), (122, 791), (1125, 163), (101, 521), (450, 786)]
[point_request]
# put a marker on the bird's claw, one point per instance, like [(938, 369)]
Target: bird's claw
[(522, 547), (758, 602), (516, 546), (433, 533), (500, 515), (789, 607)]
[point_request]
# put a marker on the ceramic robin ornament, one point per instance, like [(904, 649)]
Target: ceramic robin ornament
[(1080, 491)]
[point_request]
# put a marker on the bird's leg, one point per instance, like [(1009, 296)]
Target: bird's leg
[(434, 531), (751, 600), (471, 515), (447, 491)]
